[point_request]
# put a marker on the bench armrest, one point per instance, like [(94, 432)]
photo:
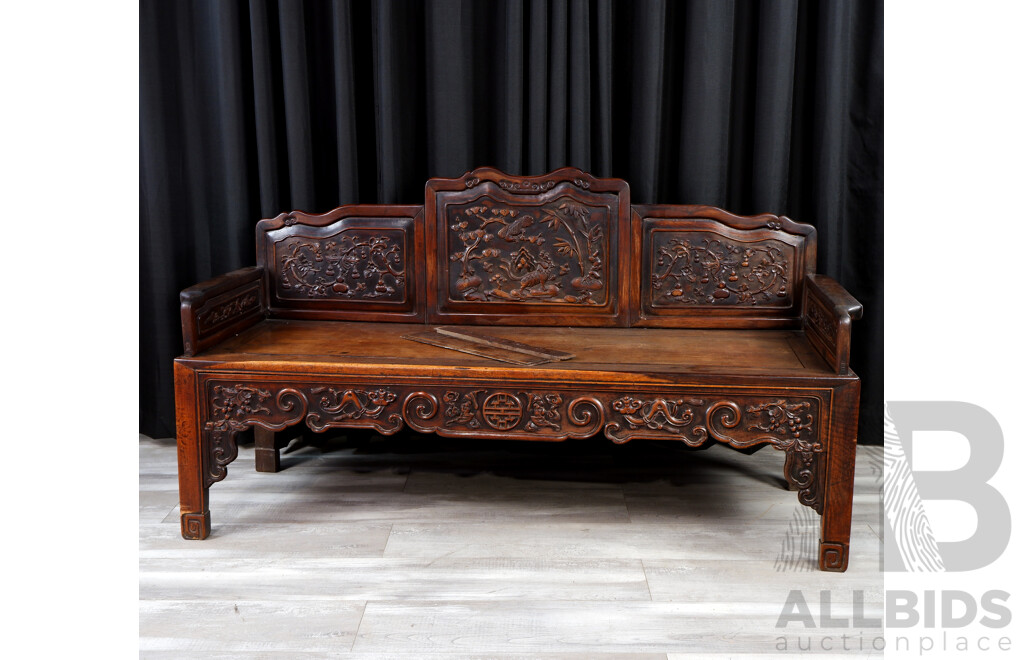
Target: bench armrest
[(220, 308), (828, 313)]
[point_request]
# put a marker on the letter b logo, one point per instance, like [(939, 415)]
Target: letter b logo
[(910, 544)]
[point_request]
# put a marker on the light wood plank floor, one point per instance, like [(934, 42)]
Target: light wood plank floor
[(424, 547)]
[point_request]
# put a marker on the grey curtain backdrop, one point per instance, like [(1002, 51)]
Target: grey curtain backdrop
[(251, 109)]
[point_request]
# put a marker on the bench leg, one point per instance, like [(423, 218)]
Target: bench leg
[(268, 456), (193, 494), (841, 454)]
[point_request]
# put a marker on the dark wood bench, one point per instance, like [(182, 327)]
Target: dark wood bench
[(687, 323)]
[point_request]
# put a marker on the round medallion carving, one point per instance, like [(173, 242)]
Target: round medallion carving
[(502, 411)]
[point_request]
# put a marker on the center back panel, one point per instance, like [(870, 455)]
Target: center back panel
[(528, 250)]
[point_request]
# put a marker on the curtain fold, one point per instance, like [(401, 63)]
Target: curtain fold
[(775, 65), (251, 109)]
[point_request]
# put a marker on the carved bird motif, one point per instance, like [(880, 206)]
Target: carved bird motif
[(516, 230)]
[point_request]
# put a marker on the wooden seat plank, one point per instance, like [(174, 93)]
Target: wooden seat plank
[(728, 350)]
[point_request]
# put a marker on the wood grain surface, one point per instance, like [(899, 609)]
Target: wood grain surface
[(636, 349)]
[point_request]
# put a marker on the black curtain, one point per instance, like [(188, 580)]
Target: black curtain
[(251, 109)]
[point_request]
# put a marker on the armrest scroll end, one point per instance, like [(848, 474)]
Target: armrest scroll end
[(828, 310), (219, 308)]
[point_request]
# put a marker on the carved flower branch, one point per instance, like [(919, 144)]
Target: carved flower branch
[(716, 271), (344, 267), (529, 272)]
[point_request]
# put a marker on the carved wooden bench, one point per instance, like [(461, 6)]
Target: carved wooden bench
[(687, 323)]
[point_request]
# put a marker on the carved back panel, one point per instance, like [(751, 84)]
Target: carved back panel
[(528, 250), (701, 266), (565, 248), (356, 262)]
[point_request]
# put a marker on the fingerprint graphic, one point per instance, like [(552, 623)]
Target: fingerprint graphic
[(800, 545), (911, 530)]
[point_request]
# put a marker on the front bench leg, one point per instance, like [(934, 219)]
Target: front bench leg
[(207, 443), (194, 494), (838, 472), (210, 415)]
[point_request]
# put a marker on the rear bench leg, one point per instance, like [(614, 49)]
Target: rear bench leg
[(193, 493), (269, 445), (268, 456), (840, 457)]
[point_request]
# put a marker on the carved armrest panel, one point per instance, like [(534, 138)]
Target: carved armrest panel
[(828, 312), (221, 307)]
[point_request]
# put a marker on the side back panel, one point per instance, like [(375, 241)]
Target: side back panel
[(703, 267), (355, 262)]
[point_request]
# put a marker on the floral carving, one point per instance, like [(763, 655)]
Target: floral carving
[(527, 186), (785, 425), (235, 404), (238, 306), (782, 419), (801, 472), (502, 414), (461, 408), (821, 319), (352, 265), (510, 248), (708, 271), (544, 411), (237, 407)]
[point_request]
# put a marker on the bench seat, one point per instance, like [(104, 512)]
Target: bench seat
[(756, 354)]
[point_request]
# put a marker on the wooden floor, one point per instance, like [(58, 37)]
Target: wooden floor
[(423, 547)]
